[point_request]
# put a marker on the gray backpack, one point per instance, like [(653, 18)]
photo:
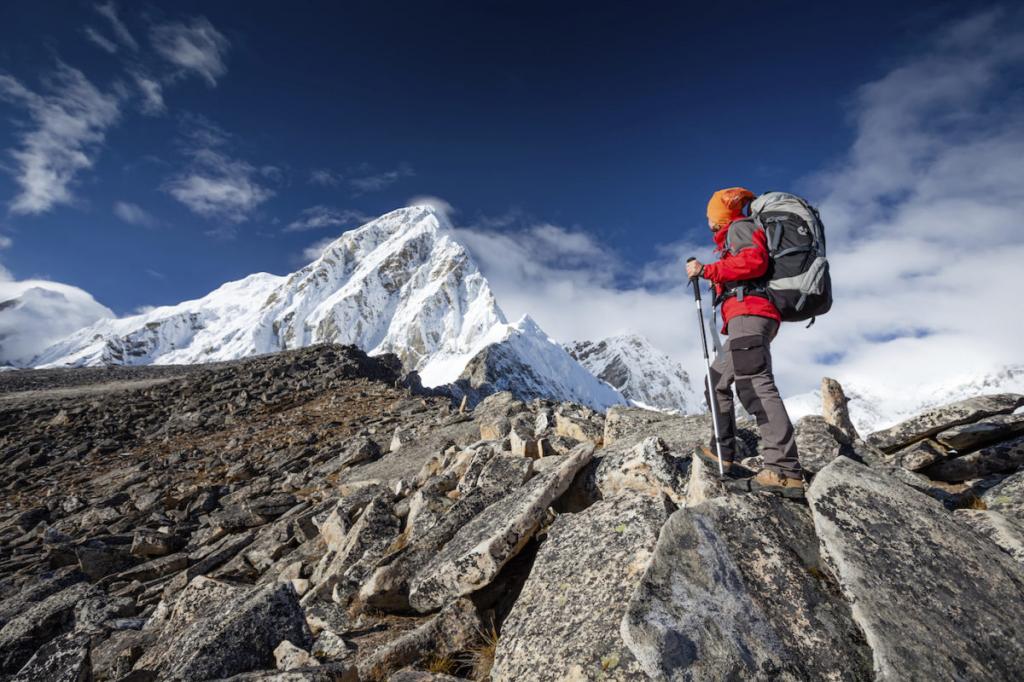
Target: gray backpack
[(798, 281)]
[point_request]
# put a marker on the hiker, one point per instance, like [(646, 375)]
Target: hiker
[(751, 321)]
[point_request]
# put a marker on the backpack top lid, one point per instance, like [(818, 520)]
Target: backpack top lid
[(783, 202)]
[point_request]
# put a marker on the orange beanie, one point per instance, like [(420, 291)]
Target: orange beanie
[(728, 204)]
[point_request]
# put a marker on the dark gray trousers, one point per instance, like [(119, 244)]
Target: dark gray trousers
[(746, 359)]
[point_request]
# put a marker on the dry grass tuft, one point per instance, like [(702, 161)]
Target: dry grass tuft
[(480, 658), (971, 501), (441, 664)]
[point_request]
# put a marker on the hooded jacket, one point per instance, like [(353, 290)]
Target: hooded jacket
[(744, 258)]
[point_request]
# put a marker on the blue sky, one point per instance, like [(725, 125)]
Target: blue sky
[(152, 152), (613, 120)]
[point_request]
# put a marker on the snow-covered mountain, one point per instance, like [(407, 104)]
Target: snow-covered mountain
[(36, 313), (401, 283), (639, 371), (876, 408)]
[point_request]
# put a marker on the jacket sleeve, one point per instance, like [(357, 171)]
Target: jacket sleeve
[(747, 259)]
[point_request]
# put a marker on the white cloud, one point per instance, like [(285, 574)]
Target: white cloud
[(69, 122), (99, 40), (318, 217), (152, 93), (196, 46), (216, 185), (6, 242), (155, 274), (326, 177), (36, 313), (109, 11), (437, 203), (133, 214), (316, 249)]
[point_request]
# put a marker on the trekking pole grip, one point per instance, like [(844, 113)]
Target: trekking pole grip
[(695, 282)]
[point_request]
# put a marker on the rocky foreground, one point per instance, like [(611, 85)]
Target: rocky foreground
[(307, 516)]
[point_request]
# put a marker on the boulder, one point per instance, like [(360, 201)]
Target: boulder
[(473, 557), (152, 543), (1003, 531), (624, 422), (360, 450), (454, 629), (921, 454), (1007, 496), (287, 656), (648, 467), (735, 590), (994, 459), (916, 580), (521, 436), (388, 586), (63, 659), (989, 430), (238, 636), (937, 420), (817, 442), (835, 408), (570, 608), (37, 624), (581, 427), (505, 472)]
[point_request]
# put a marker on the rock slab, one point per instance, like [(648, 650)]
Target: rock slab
[(473, 557), (735, 592), (929, 597), (569, 611)]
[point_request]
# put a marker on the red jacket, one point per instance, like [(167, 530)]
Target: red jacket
[(746, 258)]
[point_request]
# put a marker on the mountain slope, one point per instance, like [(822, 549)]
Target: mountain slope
[(639, 371), (399, 284), (522, 359)]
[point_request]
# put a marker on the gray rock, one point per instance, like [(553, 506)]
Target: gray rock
[(569, 611), (995, 459), (704, 483), (388, 586), (287, 656), (151, 543), (452, 630), (581, 427), (939, 419), (890, 548), (835, 408), (1003, 531), (817, 442), (369, 537), (113, 658), (919, 455), (422, 676), (473, 557), (97, 560), (648, 468), (735, 591), (36, 625), (481, 456), (623, 422), (64, 659), (240, 635), (505, 473), (1007, 496), (360, 450), (969, 436)]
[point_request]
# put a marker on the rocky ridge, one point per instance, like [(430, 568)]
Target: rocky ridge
[(309, 515)]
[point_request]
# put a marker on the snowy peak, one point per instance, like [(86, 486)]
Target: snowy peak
[(639, 371), (38, 310), (400, 284), (522, 359)]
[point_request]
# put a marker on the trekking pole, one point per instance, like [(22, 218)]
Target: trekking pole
[(695, 283)]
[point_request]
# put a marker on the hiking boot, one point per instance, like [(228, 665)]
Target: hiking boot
[(769, 481), (711, 459)]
